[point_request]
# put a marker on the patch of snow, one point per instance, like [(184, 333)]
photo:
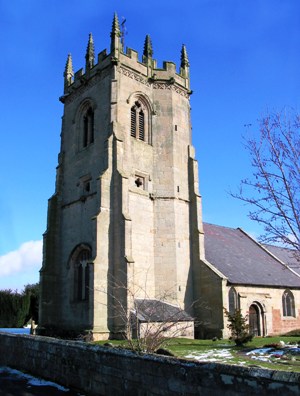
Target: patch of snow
[(214, 355), (242, 363), (265, 354), (40, 382), (32, 380), (260, 351), (261, 358)]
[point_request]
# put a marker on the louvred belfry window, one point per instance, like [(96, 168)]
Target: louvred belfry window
[(138, 124), (141, 125), (88, 127), (133, 122)]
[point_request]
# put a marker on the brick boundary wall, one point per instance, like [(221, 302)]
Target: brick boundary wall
[(107, 371)]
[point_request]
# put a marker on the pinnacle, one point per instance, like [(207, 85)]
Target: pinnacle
[(68, 73), (115, 26), (184, 57), (148, 50), (90, 53), (69, 67), (91, 41)]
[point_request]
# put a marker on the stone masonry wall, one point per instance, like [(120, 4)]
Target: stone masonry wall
[(111, 371), (284, 325)]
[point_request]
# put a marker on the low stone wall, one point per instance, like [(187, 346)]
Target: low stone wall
[(110, 371)]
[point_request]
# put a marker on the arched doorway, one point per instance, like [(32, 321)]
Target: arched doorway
[(256, 320)]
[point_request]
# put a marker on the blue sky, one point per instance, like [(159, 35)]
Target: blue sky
[(245, 60)]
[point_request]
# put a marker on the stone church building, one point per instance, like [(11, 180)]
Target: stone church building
[(124, 229)]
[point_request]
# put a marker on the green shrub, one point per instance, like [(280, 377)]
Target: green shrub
[(238, 326), (33, 312), (17, 308), (14, 307)]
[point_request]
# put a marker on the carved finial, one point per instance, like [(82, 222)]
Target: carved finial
[(148, 50), (115, 27), (68, 73), (90, 53), (184, 66), (115, 37), (184, 58)]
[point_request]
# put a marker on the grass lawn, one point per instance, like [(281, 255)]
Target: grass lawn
[(225, 351)]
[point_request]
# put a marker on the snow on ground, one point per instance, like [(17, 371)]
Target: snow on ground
[(31, 380), (224, 355), (266, 354), (214, 355)]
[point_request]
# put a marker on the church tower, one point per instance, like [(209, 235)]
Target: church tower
[(125, 219)]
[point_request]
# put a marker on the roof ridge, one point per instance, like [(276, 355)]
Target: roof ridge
[(220, 226), (280, 247), (270, 253), (286, 265)]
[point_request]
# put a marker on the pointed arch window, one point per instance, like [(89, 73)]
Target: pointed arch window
[(88, 127), (139, 122), (82, 275), (288, 303), (233, 301)]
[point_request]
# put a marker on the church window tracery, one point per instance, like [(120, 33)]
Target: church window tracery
[(81, 268), (288, 303), (233, 301)]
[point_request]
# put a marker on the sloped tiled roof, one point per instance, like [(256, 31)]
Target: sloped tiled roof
[(288, 256), (242, 260), (151, 310)]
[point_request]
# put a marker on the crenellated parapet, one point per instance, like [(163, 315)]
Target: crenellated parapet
[(127, 63)]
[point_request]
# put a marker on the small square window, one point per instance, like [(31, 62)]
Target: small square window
[(140, 182), (87, 186)]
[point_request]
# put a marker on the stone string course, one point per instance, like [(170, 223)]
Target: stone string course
[(107, 371)]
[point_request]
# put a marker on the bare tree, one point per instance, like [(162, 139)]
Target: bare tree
[(274, 188), (144, 322)]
